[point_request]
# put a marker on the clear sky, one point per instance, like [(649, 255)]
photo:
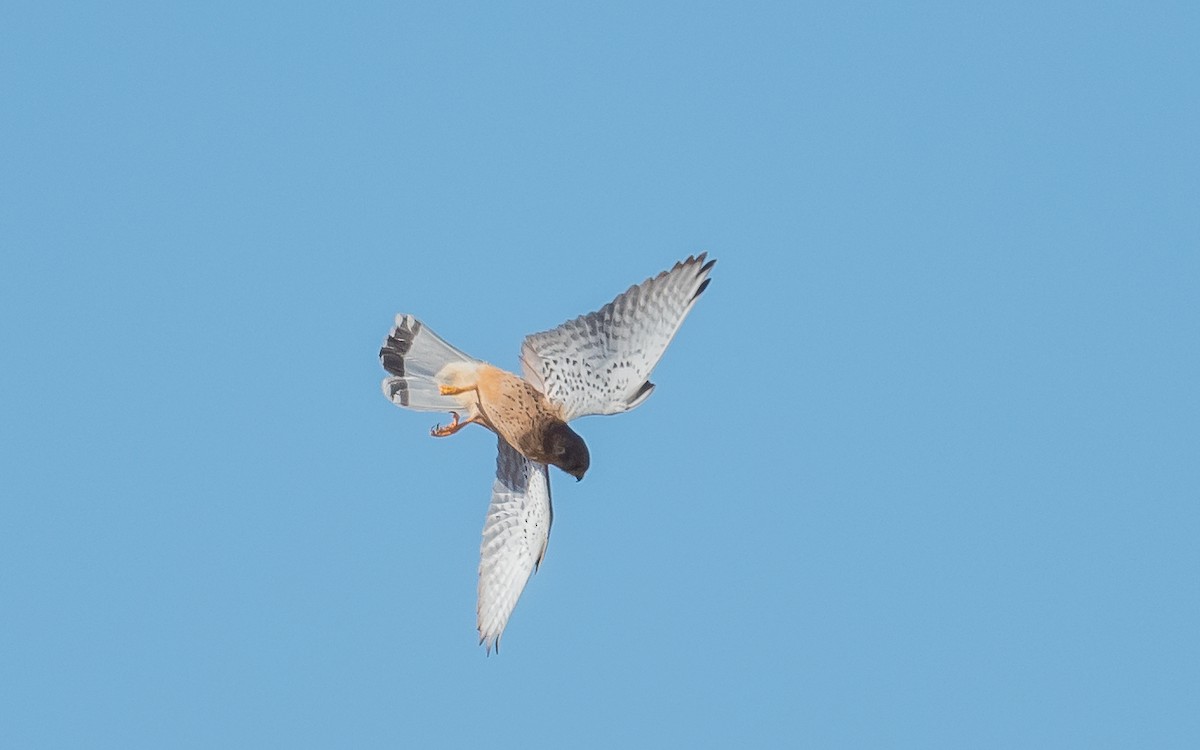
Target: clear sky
[(922, 469)]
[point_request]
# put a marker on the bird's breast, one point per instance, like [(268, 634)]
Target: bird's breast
[(518, 411)]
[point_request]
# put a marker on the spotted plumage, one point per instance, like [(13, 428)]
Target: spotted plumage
[(595, 364)]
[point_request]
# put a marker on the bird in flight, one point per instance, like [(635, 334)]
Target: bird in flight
[(595, 364)]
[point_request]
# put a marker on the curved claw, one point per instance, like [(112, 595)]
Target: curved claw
[(453, 427)]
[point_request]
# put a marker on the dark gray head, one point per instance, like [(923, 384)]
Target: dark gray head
[(566, 450)]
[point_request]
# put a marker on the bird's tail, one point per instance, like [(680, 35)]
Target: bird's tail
[(418, 362)]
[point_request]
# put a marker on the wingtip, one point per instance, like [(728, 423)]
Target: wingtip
[(699, 260), (688, 262), (702, 274)]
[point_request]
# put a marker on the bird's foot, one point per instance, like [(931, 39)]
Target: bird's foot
[(450, 429)]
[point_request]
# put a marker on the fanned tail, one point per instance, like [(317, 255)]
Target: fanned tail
[(419, 361)]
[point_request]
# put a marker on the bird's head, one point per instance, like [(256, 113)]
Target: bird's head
[(566, 450)]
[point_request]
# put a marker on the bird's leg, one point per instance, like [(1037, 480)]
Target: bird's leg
[(454, 390), (453, 427)]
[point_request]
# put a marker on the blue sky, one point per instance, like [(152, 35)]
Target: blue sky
[(921, 469)]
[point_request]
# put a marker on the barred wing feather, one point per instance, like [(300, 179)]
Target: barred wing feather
[(600, 363), (515, 536)]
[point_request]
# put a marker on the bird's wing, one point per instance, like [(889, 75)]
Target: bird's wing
[(514, 539), (599, 363)]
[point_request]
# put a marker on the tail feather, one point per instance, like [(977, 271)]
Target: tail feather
[(419, 361)]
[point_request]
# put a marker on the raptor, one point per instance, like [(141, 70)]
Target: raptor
[(598, 363)]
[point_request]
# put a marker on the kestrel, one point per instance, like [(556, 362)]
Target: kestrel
[(595, 364)]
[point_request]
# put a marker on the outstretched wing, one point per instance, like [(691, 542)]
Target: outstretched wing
[(599, 363), (514, 539)]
